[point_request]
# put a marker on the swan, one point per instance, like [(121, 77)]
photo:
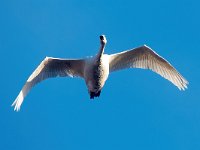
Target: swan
[(95, 70)]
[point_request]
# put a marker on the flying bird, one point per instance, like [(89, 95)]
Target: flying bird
[(95, 70)]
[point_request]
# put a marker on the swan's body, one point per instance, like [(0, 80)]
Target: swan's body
[(96, 73), (95, 70)]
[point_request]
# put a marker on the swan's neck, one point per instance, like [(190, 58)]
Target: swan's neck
[(101, 50)]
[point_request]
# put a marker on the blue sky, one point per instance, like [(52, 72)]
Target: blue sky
[(137, 108)]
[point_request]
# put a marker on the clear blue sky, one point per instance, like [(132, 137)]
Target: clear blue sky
[(137, 108)]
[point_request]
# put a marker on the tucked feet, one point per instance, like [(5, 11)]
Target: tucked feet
[(94, 94)]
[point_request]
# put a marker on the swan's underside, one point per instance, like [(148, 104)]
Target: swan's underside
[(95, 70)]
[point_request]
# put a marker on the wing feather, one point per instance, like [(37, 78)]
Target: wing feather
[(145, 58), (49, 68)]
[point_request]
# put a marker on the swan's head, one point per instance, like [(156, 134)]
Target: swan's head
[(103, 39)]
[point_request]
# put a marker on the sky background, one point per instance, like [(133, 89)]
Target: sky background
[(137, 109)]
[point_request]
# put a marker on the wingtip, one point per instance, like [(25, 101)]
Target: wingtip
[(16, 108), (183, 87), (16, 105)]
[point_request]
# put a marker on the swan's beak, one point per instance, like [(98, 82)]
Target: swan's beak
[(103, 39)]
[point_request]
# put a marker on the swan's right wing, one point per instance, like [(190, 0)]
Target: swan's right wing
[(145, 58), (49, 68)]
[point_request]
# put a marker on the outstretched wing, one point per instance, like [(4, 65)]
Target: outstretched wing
[(49, 68), (145, 58)]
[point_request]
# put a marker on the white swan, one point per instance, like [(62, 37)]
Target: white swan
[(95, 70)]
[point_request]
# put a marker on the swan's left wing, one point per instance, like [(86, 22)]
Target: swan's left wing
[(49, 68), (145, 58)]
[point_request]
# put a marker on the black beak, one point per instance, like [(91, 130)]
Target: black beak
[(101, 37)]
